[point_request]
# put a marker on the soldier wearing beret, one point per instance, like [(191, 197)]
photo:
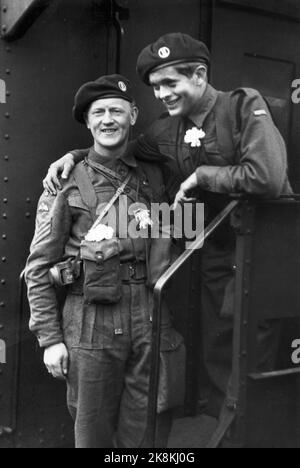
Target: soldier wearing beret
[(101, 342), (214, 143)]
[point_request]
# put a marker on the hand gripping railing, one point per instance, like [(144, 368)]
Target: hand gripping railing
[(149, 440)]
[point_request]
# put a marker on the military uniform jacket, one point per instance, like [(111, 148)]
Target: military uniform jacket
[(61, 223)]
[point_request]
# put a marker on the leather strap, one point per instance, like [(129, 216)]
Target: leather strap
[(112, 201), (103, 170), (86, 188)]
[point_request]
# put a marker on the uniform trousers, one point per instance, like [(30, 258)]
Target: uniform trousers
[(108, 379)]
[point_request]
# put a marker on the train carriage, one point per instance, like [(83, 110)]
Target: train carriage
[(48, 48)]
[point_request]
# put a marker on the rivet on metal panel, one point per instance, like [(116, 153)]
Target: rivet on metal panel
[(3, 282), (245, 323), (249, 231), (4, 236), (28, 200), (4, 216), (4, 28), (41, 441), (8, 49), (41, 430), (5, 200), (4, 259), (4, 9), (5, 431), (246, 292), (244, 353), (5, 179), (1, 326), (7, 115), (2, 304), (7, 137), (8, 71), (6, 158), (28, 215), (8, 93)]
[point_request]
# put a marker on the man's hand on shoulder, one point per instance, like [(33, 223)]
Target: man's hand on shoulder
[(63, 167), (56, 359)]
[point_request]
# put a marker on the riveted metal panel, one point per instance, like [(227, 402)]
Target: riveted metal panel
[(18, 15)]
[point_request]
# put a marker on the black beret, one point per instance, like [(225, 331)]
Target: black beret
[(104, 87), (171, 49)]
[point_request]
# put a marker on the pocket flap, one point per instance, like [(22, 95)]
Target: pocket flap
[(95, 251)]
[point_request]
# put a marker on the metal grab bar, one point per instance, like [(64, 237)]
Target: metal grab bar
[(149, 440)]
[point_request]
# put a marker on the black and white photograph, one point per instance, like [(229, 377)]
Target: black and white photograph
[(149, 226)]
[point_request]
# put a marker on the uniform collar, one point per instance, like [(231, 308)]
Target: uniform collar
[(127, 158), (208, 101)]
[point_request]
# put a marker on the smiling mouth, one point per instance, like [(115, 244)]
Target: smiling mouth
[(109, 131), (173, 103)]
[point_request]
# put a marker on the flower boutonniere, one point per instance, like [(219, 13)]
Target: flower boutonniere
[(143, 218), (194, 137)]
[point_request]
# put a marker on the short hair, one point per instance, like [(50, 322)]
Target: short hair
[(188, 69)]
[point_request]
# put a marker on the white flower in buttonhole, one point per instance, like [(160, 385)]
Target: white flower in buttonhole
[(99, 233), (143, 218), (194, 137)]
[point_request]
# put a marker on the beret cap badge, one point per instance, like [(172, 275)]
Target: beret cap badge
[(164, 52), (122, 86), (171, 49)]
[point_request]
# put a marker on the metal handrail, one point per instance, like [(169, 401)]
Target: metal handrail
[(149, 440)]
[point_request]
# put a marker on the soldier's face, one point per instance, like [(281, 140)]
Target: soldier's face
[(109, 121), (179, 94)]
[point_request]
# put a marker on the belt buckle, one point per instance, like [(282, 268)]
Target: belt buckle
[(132, 270)]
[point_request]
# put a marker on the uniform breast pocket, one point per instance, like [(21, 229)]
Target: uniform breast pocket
[(81, 216), (215, 156)]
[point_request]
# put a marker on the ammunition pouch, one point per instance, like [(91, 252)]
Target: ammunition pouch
[(101, 266), (65, 273)]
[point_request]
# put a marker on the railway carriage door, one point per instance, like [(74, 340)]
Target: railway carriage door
[(255, 44)]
